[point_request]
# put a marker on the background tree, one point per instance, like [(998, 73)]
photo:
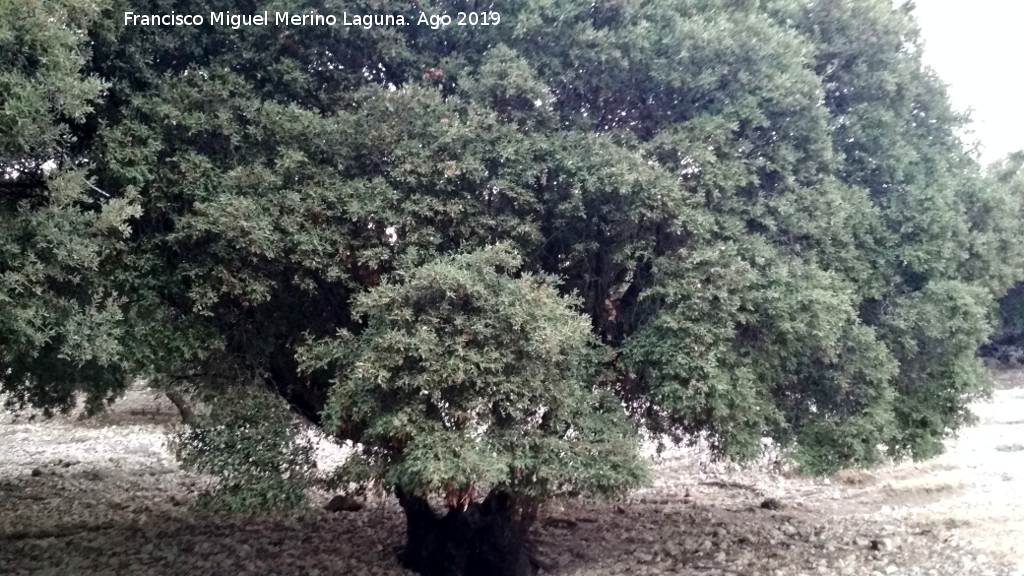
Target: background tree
[(1009, 334)]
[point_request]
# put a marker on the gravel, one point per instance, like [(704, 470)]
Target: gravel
[(105, 496)]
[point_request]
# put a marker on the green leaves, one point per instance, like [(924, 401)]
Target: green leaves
[(935, 335), (249, 443), (465, 375), (41, 81), (60, 319)]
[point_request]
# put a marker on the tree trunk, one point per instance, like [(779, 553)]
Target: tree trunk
[(488, 538), (188, 416)]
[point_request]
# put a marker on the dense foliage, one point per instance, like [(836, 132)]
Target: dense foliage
[(761, 209), (1009, 173), (248, 441), (465, 376), (60, 321)]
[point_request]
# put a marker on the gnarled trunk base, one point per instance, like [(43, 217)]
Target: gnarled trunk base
[(486, 539)]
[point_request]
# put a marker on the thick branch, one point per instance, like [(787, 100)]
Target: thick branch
[(188, 416)]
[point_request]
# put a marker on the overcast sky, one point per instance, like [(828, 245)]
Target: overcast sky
[(976, 47)]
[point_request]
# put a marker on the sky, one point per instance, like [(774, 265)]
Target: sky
[(976, 48)]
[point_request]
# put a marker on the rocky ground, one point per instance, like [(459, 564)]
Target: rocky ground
[(104, 496)]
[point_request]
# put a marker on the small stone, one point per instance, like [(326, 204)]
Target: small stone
[(672, 550), (881, 544), (37, 472)]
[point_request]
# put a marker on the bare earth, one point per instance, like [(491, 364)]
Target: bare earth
[(104, 496)]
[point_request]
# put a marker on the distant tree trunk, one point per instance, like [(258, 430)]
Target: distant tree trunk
[(188, 416), (488, 538)]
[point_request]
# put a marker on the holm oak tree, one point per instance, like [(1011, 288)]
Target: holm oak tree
[(492, 256)]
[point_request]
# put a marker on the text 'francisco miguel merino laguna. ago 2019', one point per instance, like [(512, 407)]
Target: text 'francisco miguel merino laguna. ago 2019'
[(236, 21)]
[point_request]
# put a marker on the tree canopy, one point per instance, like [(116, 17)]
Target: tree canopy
[(60, 321), (482, 252)]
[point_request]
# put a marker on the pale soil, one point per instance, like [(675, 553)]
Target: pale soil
[(105, 497), (976, 487)]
